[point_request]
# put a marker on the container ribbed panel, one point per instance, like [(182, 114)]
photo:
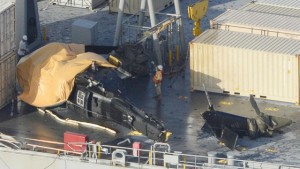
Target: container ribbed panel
[(280, 3), (243, 64), (294, 12)]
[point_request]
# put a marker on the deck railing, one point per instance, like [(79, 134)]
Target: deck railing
[(159, 154)]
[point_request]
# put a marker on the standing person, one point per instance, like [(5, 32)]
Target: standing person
[(22, 51), (157, 79), (23, 48)]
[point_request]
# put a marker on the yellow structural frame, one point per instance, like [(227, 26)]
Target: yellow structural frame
[(196, 12)]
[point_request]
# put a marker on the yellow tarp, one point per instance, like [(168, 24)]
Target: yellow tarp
[(47, 75)]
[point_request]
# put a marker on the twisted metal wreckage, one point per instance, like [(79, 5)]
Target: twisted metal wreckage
[(228, 127), (58, 74)]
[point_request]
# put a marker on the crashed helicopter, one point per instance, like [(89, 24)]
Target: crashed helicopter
[(228, 127), (95, 102), (64, 73)]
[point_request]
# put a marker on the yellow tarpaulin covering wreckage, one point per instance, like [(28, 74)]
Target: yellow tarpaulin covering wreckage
[(47, 75)]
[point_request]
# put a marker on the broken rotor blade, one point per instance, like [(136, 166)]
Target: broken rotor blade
[(264, 118), (229, 138), (123, 74), (210, 106), (254, 105)]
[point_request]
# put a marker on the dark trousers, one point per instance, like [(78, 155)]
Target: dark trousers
[(19, 58)]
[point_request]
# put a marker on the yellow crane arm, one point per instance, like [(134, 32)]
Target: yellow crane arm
[(196, 12)]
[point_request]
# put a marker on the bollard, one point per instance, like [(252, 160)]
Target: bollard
[(119, 157), (230, 158), (211, 157)]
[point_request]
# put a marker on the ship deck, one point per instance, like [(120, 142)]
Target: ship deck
[(179, 108)]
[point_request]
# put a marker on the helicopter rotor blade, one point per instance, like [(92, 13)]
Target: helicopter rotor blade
[(210, 106), (254, 105), (265, 118)]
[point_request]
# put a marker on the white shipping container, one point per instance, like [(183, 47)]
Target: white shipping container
[(258, 23), (7, 27), (244, 64), (7, 78), (91, 4), (133, 6), (280, 3), (271, 9)]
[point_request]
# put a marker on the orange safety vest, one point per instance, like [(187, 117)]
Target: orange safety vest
[(157, 78)]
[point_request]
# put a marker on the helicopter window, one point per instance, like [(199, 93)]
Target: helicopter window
[(96, 101), (80, 98)]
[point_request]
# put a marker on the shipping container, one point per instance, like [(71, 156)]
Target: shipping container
[(258, 23), (91, 4), (133, 6), (7, 78), (242, 64), (271, 9), (7, 27), (293, 4)]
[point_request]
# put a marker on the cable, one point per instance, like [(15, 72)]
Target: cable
[(51, 163)]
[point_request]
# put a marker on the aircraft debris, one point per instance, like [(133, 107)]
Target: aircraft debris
[(241, 148), (133, 59), (228, 127), (64, 74), (271, 150)]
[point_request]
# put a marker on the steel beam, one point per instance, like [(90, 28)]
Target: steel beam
[(155, 36), (119, 22), (142, 13), (180, 25)]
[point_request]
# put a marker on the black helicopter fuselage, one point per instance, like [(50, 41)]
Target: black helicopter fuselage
[(95, 102), (217, 120), (228, 127)]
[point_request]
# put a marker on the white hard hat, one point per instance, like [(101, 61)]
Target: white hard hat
[(160, 67), (24, 37)]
